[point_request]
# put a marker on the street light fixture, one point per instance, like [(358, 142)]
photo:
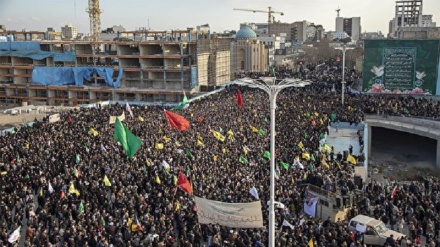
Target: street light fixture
[(272, 87), (343, 48)]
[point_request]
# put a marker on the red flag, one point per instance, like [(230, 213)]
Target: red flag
[(62, 195), (184, 184), (176, 121), (70, 120), (393, 194), (239, 99)]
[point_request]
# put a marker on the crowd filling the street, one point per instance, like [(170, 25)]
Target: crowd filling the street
[(70, 182)]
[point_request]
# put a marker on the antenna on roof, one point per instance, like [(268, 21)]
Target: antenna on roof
[(338, 10)]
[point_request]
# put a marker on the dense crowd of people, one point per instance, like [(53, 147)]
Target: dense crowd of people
[(142, 205)]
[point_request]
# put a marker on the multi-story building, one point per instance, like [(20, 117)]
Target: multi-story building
[(158, 69), (410, 23), (69, 31), (248, 54), (352, 26)]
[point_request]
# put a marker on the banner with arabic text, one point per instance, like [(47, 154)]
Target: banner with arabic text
[(237, 215)]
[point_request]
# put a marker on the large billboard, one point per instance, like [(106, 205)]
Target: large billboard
[(401, 66)]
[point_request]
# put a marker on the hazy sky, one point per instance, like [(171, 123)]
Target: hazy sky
[(180, 14)]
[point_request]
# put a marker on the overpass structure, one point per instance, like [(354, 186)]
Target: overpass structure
[(418, 126)]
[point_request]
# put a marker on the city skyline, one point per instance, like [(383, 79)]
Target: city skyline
[(219, 14)]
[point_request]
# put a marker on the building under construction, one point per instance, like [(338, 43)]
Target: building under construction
[(160, 68)]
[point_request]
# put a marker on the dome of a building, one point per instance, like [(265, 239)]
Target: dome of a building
[(245, 33)]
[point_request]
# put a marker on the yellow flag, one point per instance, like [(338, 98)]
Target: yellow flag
[(255, 130), (200, 143), (166, 138), (3, 173), (159, 145), (27, 145), (310, 244), (93, 132), (215, 158), (72, 190), (141, 118), (224, 150), (327, 148), (147, 161), (219, 136), (316, 114), (158, 180), (41, 191), (324, 163), (177, 144), (230, 134), (129, 222), (321, 122), (301, 145), (351, 159), (293, 181), (106, 181), (339, 165), (174, 180), (306, 156), (199, 138), (245, 151)]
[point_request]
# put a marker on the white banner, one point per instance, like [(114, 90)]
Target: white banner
[(113, 118), (237, 215), (54, 118)]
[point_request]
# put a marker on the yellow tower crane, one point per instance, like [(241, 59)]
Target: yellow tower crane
[(95, 19), (270, 12)]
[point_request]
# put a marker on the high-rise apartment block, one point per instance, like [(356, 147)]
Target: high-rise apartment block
[(69, 31), (351, 26), (410, 23)]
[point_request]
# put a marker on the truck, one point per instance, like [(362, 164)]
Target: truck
[(374, 231)]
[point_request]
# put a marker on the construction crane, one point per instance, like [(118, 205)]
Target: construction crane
[(95, 19), (270, 12)]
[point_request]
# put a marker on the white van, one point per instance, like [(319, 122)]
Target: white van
[(375, 232)]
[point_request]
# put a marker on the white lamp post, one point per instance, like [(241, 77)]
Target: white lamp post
[(343, 48), (271, 87)]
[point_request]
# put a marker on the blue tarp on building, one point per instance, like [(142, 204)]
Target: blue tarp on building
[(31, 49), (73, 76)]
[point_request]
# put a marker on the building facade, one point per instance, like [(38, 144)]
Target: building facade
[(69, 31), (351, 26), (159, 69), (248, 54)]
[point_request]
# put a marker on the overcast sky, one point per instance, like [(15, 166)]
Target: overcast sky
[(180, 14)]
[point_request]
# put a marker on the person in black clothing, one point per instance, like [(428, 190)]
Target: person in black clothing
[(390, 241)]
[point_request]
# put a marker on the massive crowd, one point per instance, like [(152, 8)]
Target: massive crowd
[(143, 206)]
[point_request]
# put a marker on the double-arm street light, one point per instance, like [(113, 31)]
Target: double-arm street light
[(272, 86), (343, 48)]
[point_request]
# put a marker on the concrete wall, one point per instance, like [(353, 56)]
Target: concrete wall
[(422, 127)]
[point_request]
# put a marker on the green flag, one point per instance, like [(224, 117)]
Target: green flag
[(266, 120), (262, 132), (81, 208), (129, 142), (307, 114), (266, 154), (321, 136), (312, 157), (84, 129), (333, 117), (272, 71), (182, 105), (243, 160), (188, 153), (77, 159), (284, 165), (305, 134)]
